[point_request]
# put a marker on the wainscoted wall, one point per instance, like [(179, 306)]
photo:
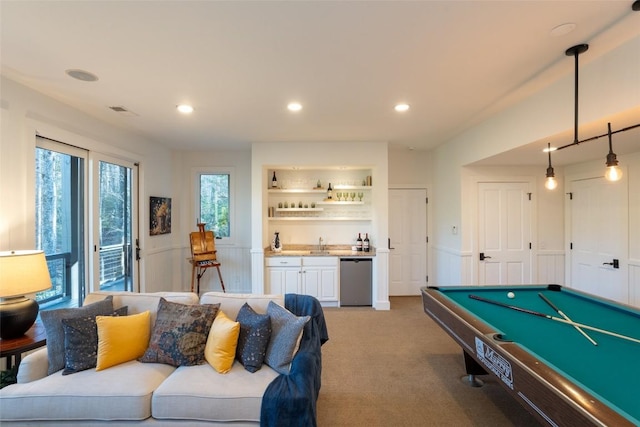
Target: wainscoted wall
[(458, 268), (168, 270), (634, 282), (550, 267)]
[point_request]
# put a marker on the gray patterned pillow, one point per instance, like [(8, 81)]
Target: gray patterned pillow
[(180, 333), (52, 321), (255, 331), (81, 342), (286, 333)]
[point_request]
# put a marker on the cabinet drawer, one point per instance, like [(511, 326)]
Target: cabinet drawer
[(321, 261), (281, 261)]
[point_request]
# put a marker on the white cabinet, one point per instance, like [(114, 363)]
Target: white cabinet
[(315, 276)]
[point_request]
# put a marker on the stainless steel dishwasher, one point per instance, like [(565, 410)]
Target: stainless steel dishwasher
[(355, 282)]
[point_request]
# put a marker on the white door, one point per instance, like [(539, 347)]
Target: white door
[(504, 225), (598, 236), (115, 224), (407, 241)]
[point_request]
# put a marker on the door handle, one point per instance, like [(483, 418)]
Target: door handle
[(483, 256), (615, 263), (389, 243)]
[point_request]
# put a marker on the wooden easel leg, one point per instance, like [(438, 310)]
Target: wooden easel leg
[(220, 276), (193, 275)]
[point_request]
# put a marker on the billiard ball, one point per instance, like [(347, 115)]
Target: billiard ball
[(511, 295)]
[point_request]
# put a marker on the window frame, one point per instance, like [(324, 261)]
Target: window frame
[(216, 170)]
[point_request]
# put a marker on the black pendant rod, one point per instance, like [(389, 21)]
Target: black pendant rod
[(599, 136), (576, 51)]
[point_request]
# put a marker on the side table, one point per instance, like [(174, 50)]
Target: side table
[(13, 348)]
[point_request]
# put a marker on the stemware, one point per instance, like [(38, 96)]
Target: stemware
[(339, 195), (360, 195), (353, 196)]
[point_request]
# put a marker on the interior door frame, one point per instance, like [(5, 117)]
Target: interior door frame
[(94, 215), (474, 185)]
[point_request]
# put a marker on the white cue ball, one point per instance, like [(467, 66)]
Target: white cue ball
[(511, 295)]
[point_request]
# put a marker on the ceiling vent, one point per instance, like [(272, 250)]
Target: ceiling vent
[(123, 111)]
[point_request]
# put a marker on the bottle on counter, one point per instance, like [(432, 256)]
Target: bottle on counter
[(359, 243), (329, 192), (274, 181), (365, 243)]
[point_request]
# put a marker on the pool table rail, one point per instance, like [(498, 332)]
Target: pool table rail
[(543, 391)]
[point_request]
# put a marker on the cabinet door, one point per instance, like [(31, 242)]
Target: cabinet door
[(321, 282), (283, 280), (311, 277), (329, 284)]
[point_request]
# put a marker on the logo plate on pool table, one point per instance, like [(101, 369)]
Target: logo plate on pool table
[(496, 363)]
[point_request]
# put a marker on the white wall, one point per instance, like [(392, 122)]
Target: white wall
[(234, 258), (612, 82), (25, 113)]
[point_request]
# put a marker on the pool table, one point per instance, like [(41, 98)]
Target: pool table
[(550, 367)]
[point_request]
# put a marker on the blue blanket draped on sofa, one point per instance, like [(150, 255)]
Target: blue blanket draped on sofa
[(290, 400)]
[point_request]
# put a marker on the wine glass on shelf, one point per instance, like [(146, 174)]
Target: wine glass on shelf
[(339, 195), (360, 195), (353, 196)]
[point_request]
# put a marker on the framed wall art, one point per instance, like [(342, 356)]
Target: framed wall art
[(159, 215)]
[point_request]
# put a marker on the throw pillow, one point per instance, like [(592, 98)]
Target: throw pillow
[(121, 338), (286, 333), (255, 331), (52, 321), (81, 342), (180, 333), (222, 342)]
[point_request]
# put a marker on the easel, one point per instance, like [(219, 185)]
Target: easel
[(203, 255)]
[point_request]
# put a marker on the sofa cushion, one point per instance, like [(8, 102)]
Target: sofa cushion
[(200, 393), (255, 332), (232, 303), (222, 342), (121, 339), (180, 333), (121, 393), (286, 332), (52, 321)]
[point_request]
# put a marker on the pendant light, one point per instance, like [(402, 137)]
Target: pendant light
[(550, 183), (614, 173)]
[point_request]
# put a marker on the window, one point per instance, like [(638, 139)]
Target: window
[(214, 202), (59, 217)]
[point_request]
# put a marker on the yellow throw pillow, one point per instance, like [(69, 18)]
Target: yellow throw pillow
[(121, 339), (222, 341)]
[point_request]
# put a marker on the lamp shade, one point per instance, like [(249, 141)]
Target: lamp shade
[(22, 273)]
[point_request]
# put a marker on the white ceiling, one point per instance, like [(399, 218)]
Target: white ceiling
[(348, 62)]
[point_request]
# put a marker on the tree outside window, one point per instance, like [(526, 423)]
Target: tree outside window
[(215, 203)]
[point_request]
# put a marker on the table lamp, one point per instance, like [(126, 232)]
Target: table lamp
[(21, 273)]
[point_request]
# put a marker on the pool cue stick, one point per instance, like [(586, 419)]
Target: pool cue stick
[(561, 313), (557, 319)]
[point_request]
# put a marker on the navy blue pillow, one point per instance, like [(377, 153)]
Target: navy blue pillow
[(255, 332)]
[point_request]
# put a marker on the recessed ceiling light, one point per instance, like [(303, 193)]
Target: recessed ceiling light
[(401, 108), (294, 106), (546, 150), (185, 109), (563, 29), (82, 75)]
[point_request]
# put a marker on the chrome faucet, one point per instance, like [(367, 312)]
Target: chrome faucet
[(320, 248)]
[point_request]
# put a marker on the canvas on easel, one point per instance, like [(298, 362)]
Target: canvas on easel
[(203, 256)]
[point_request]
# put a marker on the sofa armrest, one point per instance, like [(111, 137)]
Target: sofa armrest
[(33, 366)]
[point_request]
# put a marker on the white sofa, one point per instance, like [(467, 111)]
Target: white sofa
[(135, 393)]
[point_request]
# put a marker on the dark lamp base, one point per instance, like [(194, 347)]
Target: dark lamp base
[(17, 315)]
